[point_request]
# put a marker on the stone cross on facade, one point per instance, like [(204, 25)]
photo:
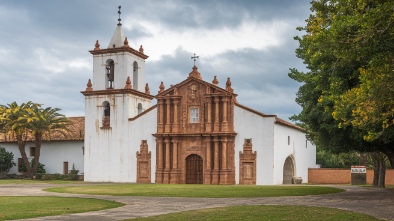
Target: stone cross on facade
[(194, 58)]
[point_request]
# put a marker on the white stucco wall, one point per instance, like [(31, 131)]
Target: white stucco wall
[(123, 68), (53, 154), (301, 150), (142, 128), (250, 125), (106, 150)]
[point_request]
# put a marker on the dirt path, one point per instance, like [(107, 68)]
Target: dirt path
[(376, 202)]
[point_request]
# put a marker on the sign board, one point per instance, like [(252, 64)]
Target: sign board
[(359, 169)]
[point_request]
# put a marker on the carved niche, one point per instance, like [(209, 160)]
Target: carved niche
[(144, 163), (247, 164)]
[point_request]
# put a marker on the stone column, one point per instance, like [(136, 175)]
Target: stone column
[(216, 126), (175, 172), (175, 126), (224, 122), (224, 154), (208, 127), (160, 128), (215, 172), (208, 165), (159, 166), (166, 175), (174, 153), (168, 119)]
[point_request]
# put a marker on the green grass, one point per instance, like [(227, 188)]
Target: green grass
[(189, 190), (21, 207), (263, 212)]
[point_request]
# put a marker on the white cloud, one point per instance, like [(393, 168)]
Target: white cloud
[(208, 43), (52, 61)]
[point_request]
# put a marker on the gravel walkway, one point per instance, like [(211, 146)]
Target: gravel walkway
[(377, 202)]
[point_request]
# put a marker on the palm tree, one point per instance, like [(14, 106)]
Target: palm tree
[(10, 124), (42, 123)]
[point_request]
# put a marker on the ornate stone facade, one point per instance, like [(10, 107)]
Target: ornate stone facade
[(143, 163), (195, 133), (247, 164)]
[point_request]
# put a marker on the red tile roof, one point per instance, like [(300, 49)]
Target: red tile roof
[(76, 133)]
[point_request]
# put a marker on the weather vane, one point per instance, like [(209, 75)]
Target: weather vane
[(194, 58), (119, 15)]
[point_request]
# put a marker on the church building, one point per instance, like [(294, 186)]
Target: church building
[(198, 132)]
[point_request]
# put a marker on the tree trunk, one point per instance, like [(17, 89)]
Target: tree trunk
[(382, 172), (37, 153), (22, 150), (375, 172), (379, 169)]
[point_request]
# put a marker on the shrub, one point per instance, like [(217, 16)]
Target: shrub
[(6, 162)]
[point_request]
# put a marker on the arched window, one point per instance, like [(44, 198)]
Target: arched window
[(110, 73), (139, 108), (135, 75), (106, 114)]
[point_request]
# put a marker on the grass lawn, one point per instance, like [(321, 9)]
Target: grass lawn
[(189, 190), (263, 212), (21, 207)]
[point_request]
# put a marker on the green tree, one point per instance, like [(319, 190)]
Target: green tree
[(9, 121), (27, 118), (42, 123), (347, 95), (6, 161)]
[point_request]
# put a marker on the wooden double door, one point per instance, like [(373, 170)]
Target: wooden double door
[(194, 169)]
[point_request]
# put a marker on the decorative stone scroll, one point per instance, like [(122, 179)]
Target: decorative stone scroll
[(144, 163), (247, 164)]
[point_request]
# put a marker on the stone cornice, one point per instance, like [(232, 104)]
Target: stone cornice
[(118, 91), (117, 50)]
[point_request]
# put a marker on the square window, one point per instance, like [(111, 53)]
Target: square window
[(193, 115), (32, 151)]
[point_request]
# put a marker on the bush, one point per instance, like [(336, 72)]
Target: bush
[(6, 162), (40, 168)]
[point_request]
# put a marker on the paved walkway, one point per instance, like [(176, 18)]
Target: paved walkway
[(377, 202)]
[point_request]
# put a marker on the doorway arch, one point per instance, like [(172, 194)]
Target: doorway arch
[(194, 169), (288, 170)]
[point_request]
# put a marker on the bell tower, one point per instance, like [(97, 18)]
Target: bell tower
[(117, 93)]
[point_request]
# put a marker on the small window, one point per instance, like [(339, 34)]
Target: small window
[(193, 115), (306, 143), (32, 151), (288, 140)]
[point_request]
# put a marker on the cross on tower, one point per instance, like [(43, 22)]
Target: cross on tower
[(119, 15), (194, 58)]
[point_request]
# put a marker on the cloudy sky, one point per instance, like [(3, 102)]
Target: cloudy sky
[(44, 47)]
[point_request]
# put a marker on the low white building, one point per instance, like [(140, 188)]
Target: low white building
[(58, 154)]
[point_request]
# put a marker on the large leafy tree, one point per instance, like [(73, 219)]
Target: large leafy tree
[(347, 95), (32, 118), (12, 127)]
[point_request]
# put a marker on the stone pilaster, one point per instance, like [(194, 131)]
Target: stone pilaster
[(216, 125), (168, 116), (159, 161), (215, 172), (160, 127), (175, 126), (208, 124), (224, 122)]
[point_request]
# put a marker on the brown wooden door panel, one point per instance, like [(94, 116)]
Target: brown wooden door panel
[(194, 166)]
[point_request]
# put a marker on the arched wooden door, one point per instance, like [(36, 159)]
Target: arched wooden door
[(194, 167)]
